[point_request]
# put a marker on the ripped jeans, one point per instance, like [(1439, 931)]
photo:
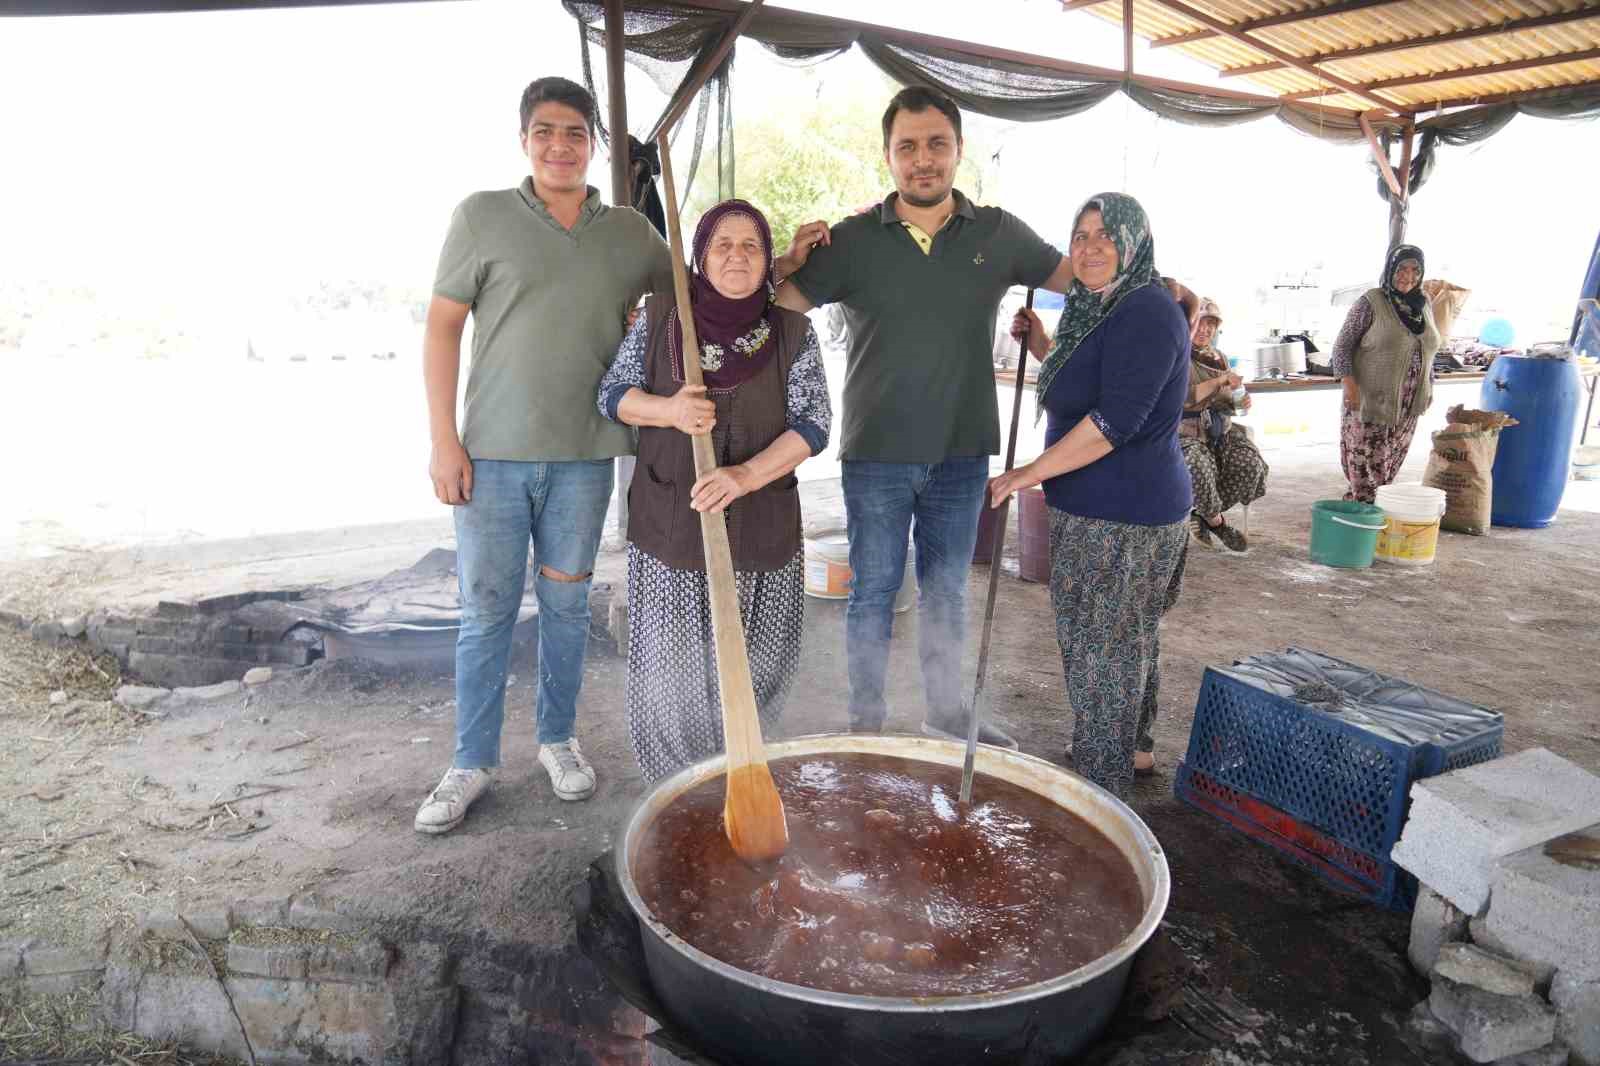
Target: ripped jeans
[(561, 506)]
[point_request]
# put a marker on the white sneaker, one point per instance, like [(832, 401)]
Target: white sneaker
[(570, 773), (447, 804)]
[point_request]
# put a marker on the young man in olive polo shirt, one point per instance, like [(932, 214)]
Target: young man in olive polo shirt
[(548, 274)]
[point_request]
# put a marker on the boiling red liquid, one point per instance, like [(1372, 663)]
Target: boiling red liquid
[(889, 888)]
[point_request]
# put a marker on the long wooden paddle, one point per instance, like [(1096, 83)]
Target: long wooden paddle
[(1001, 513), (753, 812)]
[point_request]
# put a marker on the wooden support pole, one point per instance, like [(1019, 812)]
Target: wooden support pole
[(1399, 206), (1127, 38), (1382, 160), (617, 107)]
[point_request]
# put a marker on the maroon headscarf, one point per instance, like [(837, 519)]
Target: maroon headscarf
[(719, 320)]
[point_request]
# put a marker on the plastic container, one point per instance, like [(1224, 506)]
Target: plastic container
[(1533, 461), (1586, 463), (1326, 784), (1344, 533), (1410, 535), (1033, 525), (828, 570)]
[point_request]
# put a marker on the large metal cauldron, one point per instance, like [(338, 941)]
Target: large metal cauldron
[(747, 1020)]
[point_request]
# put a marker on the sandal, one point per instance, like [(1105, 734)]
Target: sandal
[(1233, 538), (1202, 531)]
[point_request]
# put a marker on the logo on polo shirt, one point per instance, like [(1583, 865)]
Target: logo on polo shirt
[(977, 260)]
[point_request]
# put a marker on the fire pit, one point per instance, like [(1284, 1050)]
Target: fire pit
[(744, 1017)]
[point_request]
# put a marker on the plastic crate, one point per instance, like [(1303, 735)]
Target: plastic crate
[(1327, 784)]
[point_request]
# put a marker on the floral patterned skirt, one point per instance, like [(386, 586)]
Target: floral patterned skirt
[(674, 710), (1110, 583), (1372, 454)]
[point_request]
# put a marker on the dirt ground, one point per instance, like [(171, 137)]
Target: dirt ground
[(307, 785)]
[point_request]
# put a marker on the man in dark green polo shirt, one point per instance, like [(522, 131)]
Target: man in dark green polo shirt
[(548, 274), (920, 279)]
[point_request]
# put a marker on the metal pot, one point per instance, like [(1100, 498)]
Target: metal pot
[(747, 1019), (1288, 357)]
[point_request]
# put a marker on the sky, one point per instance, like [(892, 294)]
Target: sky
[(202, 161)]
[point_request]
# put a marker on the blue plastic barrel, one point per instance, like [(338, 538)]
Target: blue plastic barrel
[(1531, 465)]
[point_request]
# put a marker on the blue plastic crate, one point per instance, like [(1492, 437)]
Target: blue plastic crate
[(1315, 757)]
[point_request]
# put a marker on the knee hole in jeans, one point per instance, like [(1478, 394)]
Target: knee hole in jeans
[(556, 575)]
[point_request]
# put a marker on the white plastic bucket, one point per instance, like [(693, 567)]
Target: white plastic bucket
[(1586, 463), (828, 570), (1411, 535)]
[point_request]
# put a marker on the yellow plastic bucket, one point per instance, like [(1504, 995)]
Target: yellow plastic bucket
[(1411, 535)]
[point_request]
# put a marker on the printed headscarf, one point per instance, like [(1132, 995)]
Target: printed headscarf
[(1208, 352), (1410, 306), (1086, 308), (735, 336)]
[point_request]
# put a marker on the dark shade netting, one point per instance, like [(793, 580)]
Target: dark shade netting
[(663, 39)]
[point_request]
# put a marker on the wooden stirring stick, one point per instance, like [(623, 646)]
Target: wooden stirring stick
[(753, 812)]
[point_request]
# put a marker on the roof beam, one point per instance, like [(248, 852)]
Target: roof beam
[(1127, 38), (1458, 73), (1502, 98), (1226, 30), (1533, 22), (1268, 21), (1079, 5)]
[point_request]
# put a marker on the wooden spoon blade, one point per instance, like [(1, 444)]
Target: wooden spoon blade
[(753, 815)]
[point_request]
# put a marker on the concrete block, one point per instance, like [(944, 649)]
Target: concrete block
[(44, 961), (46, 632), (1558, 899), (141, 697), (1541, 952), (1577, 1003), (1492, 1027), (1463, 821), (258, 675), (1468, 964), (264, 911), (1543, 971), (366, 960), (106, 635), (285, 963), (311, 911), (61, 984), (1549, 1055), (210, 922), (206, 693), (308, 1021), (176, 670), (1435, 922)]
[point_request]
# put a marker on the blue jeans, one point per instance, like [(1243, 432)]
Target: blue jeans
[(562, 506), (939, 504)]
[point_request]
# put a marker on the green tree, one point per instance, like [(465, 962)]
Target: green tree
[(826, 166)]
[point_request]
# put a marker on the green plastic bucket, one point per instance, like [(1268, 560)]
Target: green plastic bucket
[(1345, 532)]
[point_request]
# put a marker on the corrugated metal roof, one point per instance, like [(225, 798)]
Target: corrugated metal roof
[(1411, 55)]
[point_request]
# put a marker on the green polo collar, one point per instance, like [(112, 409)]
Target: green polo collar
[(591, 204)]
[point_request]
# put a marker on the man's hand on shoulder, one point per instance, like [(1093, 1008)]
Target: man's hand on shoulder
[(805, 239)]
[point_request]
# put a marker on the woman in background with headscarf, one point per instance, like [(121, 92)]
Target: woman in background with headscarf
[(1384, 353), (1113, 385), (1225, 467), (765, 405)]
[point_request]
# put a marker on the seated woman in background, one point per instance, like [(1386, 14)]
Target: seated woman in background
[(765, 405), (1224, 465)]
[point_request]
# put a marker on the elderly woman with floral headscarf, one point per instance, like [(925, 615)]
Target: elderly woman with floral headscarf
[(1225, 467), (1384, 353), (765, 405), (1113, 385)]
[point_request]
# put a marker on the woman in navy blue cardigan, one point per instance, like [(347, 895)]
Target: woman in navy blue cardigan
[(1112, 384)]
